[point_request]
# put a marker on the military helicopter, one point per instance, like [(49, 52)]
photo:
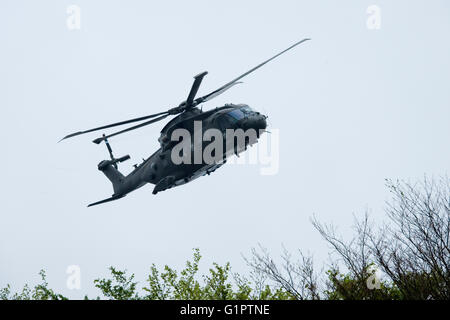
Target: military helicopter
[(160, 169)]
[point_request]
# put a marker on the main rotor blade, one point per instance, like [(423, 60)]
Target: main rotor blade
[(114, 124), (98, 140), (198, 80), (234, 81), (219, 92)]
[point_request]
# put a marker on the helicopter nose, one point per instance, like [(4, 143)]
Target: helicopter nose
[(256, 122)]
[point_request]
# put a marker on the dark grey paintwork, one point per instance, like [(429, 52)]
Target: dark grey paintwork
[(159, 169)]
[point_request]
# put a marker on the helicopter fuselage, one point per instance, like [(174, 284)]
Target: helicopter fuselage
[(164, 168), (160, 168)]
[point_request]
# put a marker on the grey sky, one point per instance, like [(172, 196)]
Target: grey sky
[(354, 106)]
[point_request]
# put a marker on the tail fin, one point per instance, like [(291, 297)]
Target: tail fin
[(105, 200)]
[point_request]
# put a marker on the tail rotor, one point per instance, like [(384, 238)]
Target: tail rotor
[(113, 160)]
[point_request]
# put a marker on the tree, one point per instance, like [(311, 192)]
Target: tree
[(411, 249), (415, 251), (39, 292), (218, 283), (186, 285)]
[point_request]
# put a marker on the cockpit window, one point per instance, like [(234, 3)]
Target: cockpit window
[(247, 109), (236, 114)]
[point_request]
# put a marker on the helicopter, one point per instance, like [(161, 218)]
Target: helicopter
[(160, 168)]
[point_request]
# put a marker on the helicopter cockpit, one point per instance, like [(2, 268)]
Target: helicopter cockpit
[(241, 112), (240, 116)]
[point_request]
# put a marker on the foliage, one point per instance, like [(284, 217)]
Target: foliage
[(39, 292), (412, 251), (347, 287), (120, 287), (218, 284)]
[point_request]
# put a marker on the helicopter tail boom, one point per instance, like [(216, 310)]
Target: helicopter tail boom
[(114, 175)]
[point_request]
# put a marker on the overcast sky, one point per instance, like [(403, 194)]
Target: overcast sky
[(353, 106)]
